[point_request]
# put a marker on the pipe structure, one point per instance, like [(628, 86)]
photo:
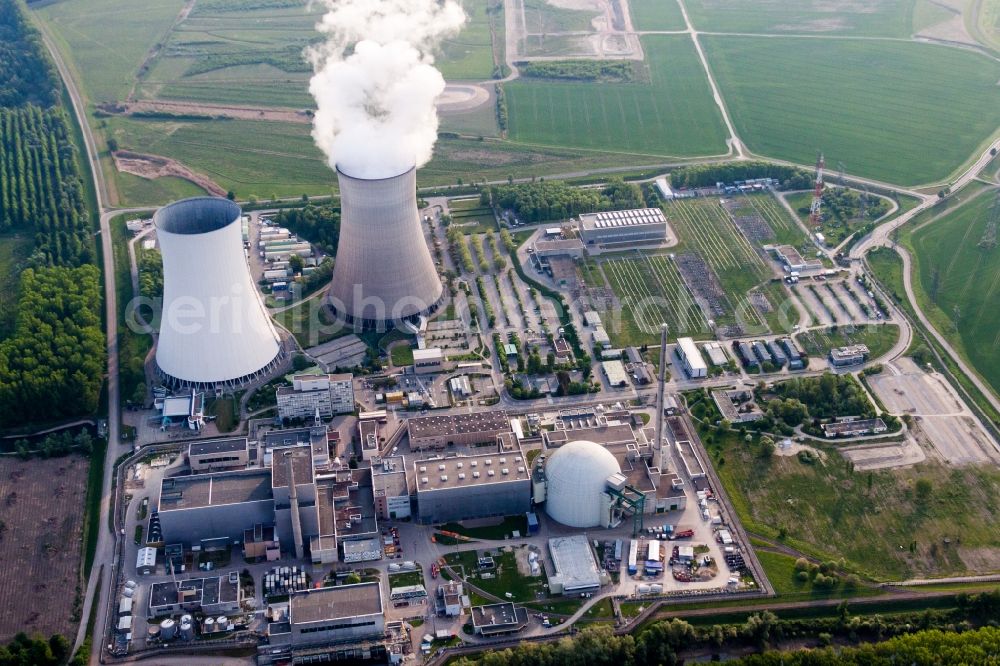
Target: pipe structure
[(293, 501)]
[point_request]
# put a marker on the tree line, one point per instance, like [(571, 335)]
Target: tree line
[(920, 637), (26, 76), (556, 200), (617, 71), (707, 175), (51, 367)]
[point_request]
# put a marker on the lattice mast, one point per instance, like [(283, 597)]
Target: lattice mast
[(817, 202)]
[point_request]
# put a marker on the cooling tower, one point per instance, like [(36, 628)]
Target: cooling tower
[(214, 330), (383, 271)]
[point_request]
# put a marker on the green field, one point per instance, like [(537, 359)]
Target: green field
[(656, 15), (469, 55), (154, 192), (107, 40), (847, 102), (874, 520), (883, 18), (959, 282), (672, 115)]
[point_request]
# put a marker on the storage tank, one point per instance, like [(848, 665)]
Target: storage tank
[(186, 618), (643, 588), (152, 632), (187, 631), (384, 271), (221, 623), (656, 588), (214, 330), (168, 629), (208, 626)]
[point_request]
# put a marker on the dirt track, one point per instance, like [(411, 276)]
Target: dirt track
[(154, 166)]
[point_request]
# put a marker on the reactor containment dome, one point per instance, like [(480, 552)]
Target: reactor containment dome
[(383, 271), (214, 329), (576, 477)]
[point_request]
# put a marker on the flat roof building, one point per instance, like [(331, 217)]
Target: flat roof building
[(311, 394), (849, 355), (640, 225), (467, 487), (716, 353), (428, 360), (691, 359), (218, 454), (336, 614), (213, 595), (437, 432), (575, 567), (498, 619), (615, 373)]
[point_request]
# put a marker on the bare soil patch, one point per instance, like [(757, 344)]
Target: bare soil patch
[(41, 513), (235, 112), (154, 166), (980, 559)]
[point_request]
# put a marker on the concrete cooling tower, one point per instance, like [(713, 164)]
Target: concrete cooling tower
[(383, 271), (214, 329)]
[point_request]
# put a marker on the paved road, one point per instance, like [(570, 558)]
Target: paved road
[(881, 237), (105, 552)]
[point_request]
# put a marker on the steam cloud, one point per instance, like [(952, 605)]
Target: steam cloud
[(375, 84)]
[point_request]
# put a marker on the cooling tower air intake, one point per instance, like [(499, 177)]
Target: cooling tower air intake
[(383, 271), (214, 329)]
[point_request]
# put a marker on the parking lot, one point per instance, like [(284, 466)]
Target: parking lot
[(942, 419)]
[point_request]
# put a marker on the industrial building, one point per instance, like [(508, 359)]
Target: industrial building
[(691, 359), (849, 355), (212, 596), (854, 428), (615, 373), (795, 360), (428, 360), (575, 567), (214, 455), (640, 225), (384, 271), (737, 406), (475, 486), (310, 506), (576, 479), (498, 619), (392, 494), (716, 353), (215, 331), (310, 395), (745, 353), (438, 432), (331, 615)]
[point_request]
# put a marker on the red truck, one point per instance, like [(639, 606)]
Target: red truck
[(682, 534)]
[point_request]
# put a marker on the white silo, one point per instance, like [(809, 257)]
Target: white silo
[(187, 630), (214, 330), (576, 476), (168, 629), (384, 271)]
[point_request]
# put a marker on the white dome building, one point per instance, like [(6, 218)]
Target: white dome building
[(576, 477)]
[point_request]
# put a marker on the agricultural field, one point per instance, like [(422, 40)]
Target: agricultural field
[(107, 41), (873, 18), (877, 521), (469, 55), (878, 337), (42, 503), (957, 279), (847, 102), (656, 15), (672, 115)]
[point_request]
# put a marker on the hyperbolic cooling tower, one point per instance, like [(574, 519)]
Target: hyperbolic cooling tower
[(383, 270), (214, 328)]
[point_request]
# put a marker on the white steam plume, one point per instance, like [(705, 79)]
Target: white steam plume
[(375, 84)]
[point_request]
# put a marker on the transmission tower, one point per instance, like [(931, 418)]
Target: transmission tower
[(817, 202)]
